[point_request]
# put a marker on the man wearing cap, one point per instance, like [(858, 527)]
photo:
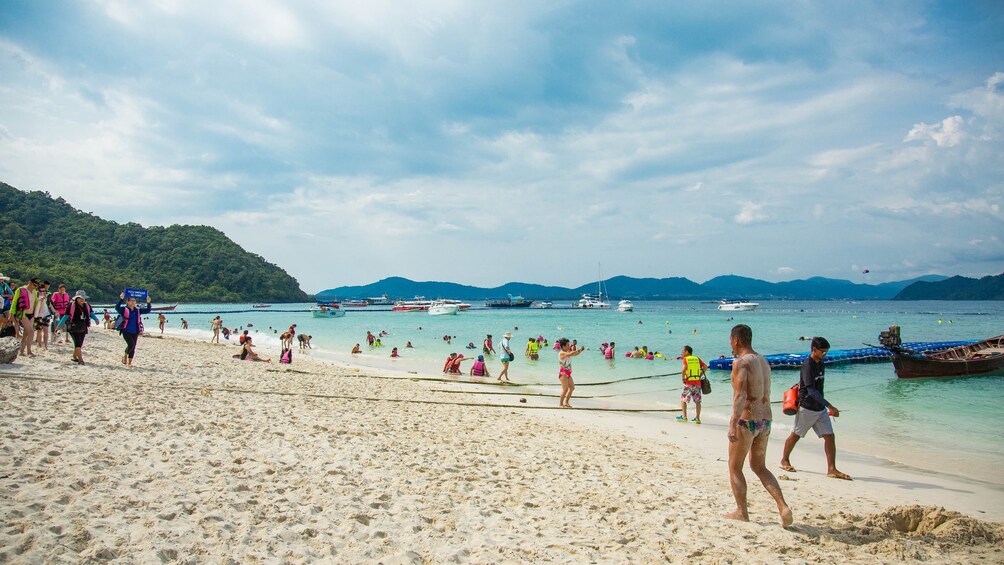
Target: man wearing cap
[(506, 356), (7, 294)]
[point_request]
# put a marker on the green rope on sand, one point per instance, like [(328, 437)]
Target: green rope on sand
[(329, 396)]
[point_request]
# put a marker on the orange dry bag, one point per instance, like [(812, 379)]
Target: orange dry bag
[(790, 403)]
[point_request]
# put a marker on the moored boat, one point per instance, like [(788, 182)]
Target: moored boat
[(326, 311), (741, 305), (542, 305), (355, 304), (379, 301), (262, 305), (510, 302), (979, 358), (419, 304), (590, 301), (443, 308), (164, 308), (625, 306)]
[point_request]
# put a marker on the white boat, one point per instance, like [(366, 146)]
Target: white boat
[(542, 305), (625, 306), (737, 305), (261, 305), (326, 311), (442, 308), (593, 301), (379, 301), (419, 304), (590, 301)]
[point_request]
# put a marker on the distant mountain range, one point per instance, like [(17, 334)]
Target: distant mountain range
[(955, 288), (673, 288)]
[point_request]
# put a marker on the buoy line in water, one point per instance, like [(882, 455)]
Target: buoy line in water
[(204, 390), (485, 383), (489, 392)]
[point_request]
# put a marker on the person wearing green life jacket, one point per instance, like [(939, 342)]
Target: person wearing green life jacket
[(693, 370), (22, 308)]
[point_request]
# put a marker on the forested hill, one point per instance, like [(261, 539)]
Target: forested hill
[(956, 288), (50, 239)]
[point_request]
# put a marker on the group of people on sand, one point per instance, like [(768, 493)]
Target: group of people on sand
[(36, 316)]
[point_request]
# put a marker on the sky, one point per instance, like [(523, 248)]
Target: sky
[(545, 142)]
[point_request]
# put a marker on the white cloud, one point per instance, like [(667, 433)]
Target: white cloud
[(750, 213), (785, 271), (948, 133), (473, 129)]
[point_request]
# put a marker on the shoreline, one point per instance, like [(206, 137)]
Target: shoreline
[(224, 458), (420, 368)]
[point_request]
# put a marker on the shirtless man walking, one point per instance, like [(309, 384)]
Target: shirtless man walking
[(749, 427)]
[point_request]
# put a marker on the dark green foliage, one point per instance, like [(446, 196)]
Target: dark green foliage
[(48, 238), (956, 288)]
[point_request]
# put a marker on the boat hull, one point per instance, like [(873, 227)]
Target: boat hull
[(328, 313), (980, 358), (909, 367), (743, 307), (446, 310)]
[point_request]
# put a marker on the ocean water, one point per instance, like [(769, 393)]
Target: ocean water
[(947, 425)]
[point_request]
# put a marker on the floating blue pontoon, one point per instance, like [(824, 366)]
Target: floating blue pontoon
[(843, 356)]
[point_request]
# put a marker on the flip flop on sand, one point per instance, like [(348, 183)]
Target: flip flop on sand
[(839, 475), (788, 468)]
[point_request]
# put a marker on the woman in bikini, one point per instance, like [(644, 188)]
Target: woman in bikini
[(565, 371)]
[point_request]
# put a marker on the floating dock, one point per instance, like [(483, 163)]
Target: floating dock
[(842, 356)]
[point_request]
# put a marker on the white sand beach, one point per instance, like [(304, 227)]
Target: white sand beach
[(194, 457)]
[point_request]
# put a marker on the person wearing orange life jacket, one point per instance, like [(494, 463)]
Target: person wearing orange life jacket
[(693, 370)]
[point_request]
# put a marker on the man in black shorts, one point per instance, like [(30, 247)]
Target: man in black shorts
[(814, 411)]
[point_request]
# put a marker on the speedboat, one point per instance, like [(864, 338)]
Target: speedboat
[(330, 311), (737, 305), (419, 304), (625, 306), (442, 308), (542, 305)]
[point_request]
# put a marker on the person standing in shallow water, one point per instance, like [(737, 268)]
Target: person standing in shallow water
[(749, 426), (565, 371)]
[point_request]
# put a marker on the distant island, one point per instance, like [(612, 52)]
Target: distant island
[(676, 288), (176, 263)]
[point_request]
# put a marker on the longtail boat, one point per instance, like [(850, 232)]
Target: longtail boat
[(978, 358)]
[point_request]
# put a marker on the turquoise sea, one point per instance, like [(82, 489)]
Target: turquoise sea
[(947, 425)]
